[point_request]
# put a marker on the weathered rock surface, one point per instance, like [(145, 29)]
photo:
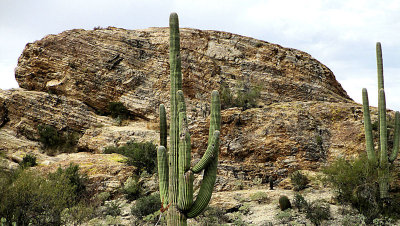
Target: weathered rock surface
[(104, 65), (105, 172), (96, 139), (26, 110), (303, 117)]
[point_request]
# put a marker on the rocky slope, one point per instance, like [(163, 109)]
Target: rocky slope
[(303, 117)]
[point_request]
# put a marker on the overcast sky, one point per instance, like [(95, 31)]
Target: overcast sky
[(339, 33)]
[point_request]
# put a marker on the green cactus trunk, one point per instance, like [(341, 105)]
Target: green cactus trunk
[(384, 159), (174, 169)]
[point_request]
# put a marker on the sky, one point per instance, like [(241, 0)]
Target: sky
[(341, 34)]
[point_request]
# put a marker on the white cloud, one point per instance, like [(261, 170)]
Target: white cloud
[(6, 81)]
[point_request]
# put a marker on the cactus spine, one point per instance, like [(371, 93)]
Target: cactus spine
[(384, 159), (175, 172)]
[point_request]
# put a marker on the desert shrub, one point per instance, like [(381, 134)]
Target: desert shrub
[(227, 99), (49, 136), (244, 208), (28, 198), (284, 203), (347, 175), (146, 205), (259, 197), (299, 181), (212, 216), (141, 155), (317, 212), (112, 208), (236, 218), (353, 220), (284, 217), (78, 214), (156, 218), (73, 178), (318, 140), (244, 96), (384, 221), (247, 96), (54, 141), (28, 161), (355, 182), (299, 202), (118, 110), (132, 188), (102, 197)]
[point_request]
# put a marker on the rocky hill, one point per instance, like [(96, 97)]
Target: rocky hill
[(302, 118)]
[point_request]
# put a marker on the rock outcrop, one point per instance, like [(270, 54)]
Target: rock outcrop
[(104, 65), (26, 110), (302, 119)]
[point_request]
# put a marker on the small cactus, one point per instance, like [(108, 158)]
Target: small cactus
[(284, 203)]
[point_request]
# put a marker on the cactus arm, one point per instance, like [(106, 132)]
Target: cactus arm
[(379, 67), (369, 140), (379, 62), (209, 155), (210, 171), (185, 196), (206, 188), (215, 124), (383, 170), (382, 126), (395, 151), (162, 158), (163, 126), (215, 115), (163, 174)]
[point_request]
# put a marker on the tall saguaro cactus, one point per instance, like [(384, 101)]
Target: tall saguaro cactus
[(384, 159), (174, 168)]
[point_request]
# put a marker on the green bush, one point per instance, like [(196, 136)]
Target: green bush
[(299, 202), (299, 181), (118, 110), (154, 218), (78, 214), (28, 161), (54, 141), (141, 155), (73, 178), (49, 136), (244, 96), (112, 208), (146, 205), (355, 182), (384, 221), (27, 198), (284, 217), (226, 95), (247, 96), (244, 208), (212, 216), (259, 197), (132, 188), (353, 220), (347, 175), (102, 197), (317, 212)]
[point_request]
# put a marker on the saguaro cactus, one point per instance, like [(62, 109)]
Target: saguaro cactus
[(174, 168), (384, 159)]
